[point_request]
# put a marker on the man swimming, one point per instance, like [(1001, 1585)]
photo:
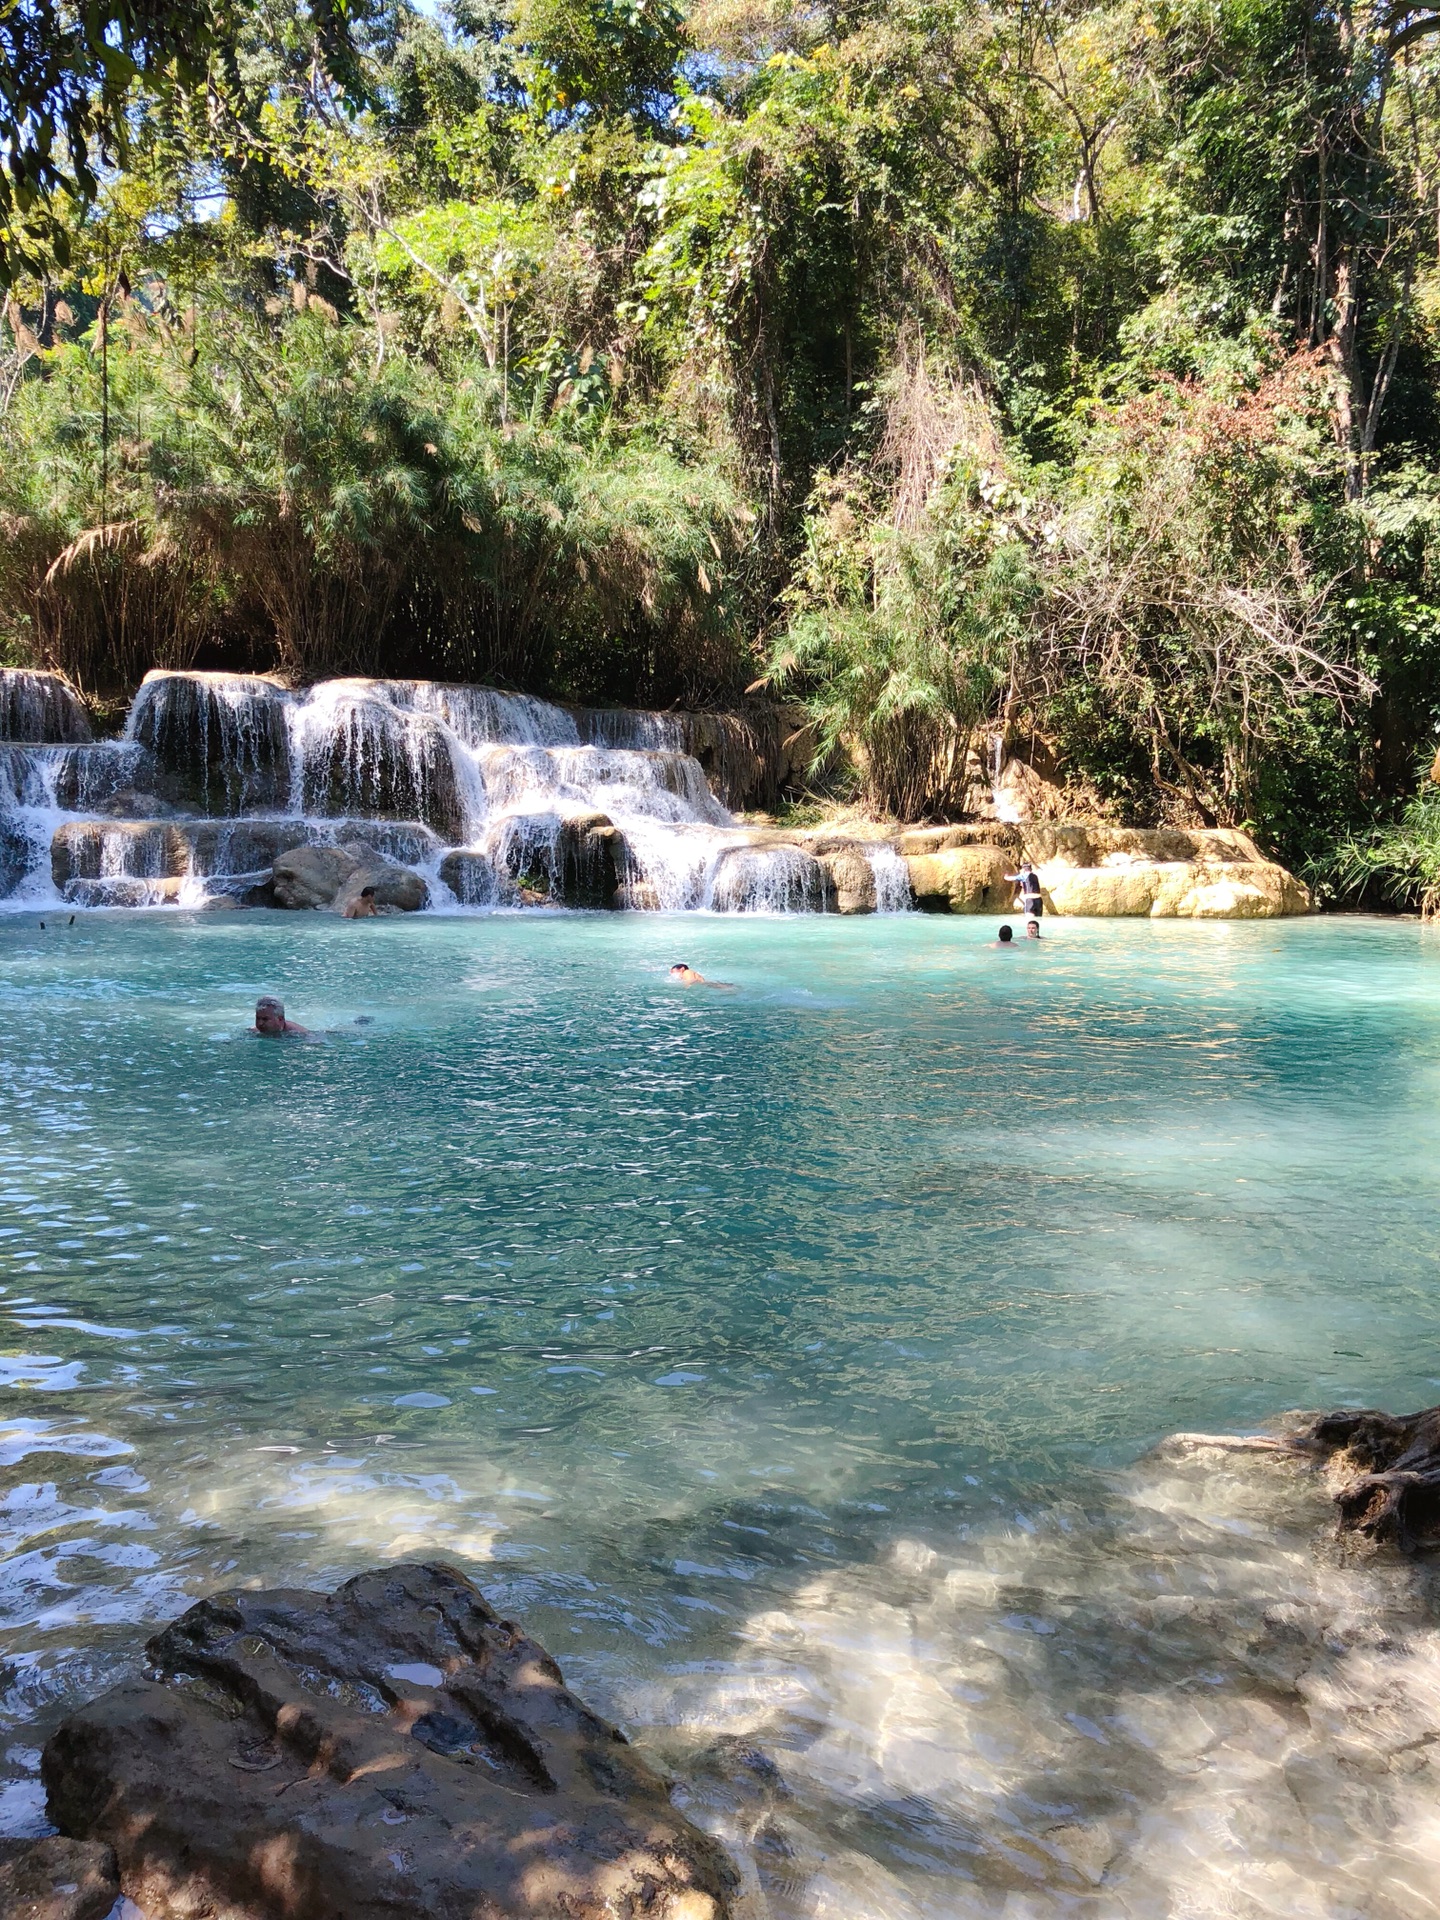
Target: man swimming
[(270, 1020), (1005, 936), (1032, 929), (686, 976)]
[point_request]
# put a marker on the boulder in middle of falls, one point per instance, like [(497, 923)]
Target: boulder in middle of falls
[(318, 876), (392, 1751), (571, 862)]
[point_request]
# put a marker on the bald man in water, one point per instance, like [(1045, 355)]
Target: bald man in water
[(270, 1021)]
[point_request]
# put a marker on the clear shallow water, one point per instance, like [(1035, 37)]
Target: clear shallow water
[(781, 1355)]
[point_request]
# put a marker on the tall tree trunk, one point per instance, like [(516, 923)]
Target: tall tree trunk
[(1342, 352)]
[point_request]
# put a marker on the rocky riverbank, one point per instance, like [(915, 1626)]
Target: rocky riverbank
[(397, 1749)]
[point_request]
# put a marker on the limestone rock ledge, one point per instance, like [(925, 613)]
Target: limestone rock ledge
[(1095, 869), (389, 1751)]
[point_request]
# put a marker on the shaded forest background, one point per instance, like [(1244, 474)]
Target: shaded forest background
[(957, 368)]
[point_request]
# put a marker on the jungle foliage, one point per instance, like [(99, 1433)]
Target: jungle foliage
[(954, 368)]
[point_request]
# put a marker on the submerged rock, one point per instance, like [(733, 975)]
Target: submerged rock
[(390, 1750), (58, 1879)]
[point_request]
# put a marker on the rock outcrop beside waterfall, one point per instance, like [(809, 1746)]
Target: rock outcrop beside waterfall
[(389, 1751), (234, 789), (1091, 868)]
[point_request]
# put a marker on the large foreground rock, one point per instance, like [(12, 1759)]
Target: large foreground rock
[(311, 876), (387, 1752), (395, 887)]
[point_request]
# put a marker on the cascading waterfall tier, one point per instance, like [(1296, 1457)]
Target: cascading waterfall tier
[(39, 707), (498, 798)]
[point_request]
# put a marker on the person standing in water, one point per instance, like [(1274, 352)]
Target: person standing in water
[(362, 907), (1031, 901)]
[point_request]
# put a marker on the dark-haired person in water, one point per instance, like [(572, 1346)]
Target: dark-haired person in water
[(686, 976), (362, 907), (270, 1020), (1006, 936)]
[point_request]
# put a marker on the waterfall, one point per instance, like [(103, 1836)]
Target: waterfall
[(892, 879), (221, 737), (481, 716), (498, 798), (40, 707), (355, 748)]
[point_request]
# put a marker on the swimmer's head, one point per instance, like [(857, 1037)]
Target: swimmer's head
[(367, 893), (681, 966), (1006, 935), (269, 1015), (1032, 929)]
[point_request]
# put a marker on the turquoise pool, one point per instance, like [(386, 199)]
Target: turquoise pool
[(759, 1347)]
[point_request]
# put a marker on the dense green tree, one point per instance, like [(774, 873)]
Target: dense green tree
[(969, 370)]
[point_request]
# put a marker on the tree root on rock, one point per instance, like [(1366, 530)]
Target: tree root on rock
[(1396, 1496)]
